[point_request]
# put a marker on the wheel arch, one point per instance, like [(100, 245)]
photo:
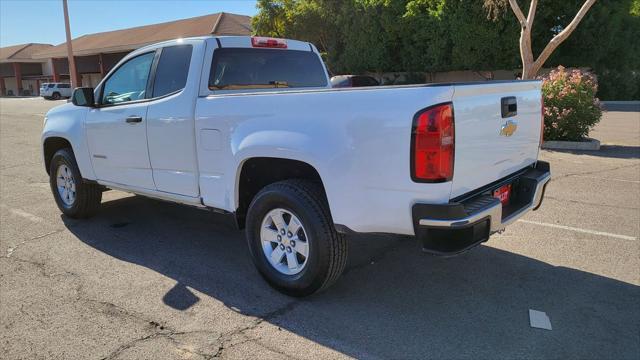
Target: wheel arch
[(50, 146), (255, 173)]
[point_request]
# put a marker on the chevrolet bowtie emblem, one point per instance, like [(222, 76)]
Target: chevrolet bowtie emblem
[(509, 128)]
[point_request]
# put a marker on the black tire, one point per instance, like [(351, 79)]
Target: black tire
[(56, 96), (327, 248), (87, 196)]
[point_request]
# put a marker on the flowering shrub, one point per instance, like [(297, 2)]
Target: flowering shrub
[(571, 108)]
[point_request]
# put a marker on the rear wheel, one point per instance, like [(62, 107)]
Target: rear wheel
[(56, 96), (292, 239), (74, 197)]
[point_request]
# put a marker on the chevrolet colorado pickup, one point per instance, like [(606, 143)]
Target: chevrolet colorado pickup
[(249, 127)]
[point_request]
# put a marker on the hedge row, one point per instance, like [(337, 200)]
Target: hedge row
[(443, 35)]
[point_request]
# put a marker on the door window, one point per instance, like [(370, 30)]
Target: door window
[(129, 81), (172, 70)]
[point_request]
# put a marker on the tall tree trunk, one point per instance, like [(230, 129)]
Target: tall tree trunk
[(530, 65)]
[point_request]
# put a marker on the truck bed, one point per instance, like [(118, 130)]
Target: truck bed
[(359, 138)]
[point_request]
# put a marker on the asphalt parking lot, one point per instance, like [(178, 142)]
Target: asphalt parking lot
[(149, 279)]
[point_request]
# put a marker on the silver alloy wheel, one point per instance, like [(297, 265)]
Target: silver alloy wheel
[(66, 185), (284, 241)]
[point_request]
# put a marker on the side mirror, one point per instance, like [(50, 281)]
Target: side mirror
[(83, 96)]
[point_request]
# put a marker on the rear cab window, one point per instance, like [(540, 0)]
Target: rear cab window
[(172, 71), (251, 68)]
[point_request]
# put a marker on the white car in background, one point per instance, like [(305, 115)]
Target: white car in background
[(55, 91)]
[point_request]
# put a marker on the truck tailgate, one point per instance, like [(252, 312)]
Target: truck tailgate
[(489, 143)]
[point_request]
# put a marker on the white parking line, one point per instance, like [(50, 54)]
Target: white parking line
[(585, 231), (606, 179), (23, 214)]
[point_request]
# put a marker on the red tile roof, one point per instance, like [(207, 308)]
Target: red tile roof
[(21, 52), (133, 38)]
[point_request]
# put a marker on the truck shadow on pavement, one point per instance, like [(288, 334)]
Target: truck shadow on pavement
[(392, 302)]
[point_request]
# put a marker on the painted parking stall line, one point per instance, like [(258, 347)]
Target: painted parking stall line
[(584, 231), (23, 214), (607, 179)]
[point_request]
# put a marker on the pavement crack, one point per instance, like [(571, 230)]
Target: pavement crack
[(158, 330), (13, 249), (128, 345), (41, 267), (162, 332), (226, 338)]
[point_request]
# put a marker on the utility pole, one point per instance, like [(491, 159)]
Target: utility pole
[(72, 61)]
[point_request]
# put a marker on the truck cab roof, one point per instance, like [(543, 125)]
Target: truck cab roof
[(235, 42)]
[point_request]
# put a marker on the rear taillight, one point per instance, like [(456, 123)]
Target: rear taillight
[(541, 120), (432, 144), (265, 42)]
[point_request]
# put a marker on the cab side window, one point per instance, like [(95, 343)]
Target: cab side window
[(129, 81), (172, 70)]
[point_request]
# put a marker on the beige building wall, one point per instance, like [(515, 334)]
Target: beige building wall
[(91, 80), (47, 68), (11, 85), (31, 86)]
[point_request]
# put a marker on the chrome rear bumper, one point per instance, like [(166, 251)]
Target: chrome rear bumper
[(455, 227)]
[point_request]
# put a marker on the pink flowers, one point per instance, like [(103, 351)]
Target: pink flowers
[(571, 108)]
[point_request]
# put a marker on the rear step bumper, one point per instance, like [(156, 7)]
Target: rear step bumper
[(449, 229)]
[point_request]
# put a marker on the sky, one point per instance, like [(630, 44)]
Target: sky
[(42, 21)]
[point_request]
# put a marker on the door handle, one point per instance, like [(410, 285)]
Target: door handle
[(509, 106), (134, 119)]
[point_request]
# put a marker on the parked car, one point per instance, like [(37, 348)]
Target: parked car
[(250, 128), (55, 91), (340, 81)]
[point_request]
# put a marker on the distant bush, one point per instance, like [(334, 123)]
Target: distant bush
[(571, 107), (619, 85)]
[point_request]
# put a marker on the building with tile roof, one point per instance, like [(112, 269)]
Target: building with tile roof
[(20, 72), (95, 54)]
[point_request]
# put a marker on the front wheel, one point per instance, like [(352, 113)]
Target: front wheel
[(292, 239), (74, 197), (55, 96)]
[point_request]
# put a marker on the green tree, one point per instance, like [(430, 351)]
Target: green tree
[(426, 43), (358, 36), (531, 64), (612, 53), (369, 35), (271, 19), (479, 44)]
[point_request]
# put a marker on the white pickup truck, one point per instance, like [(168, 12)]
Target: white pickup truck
[(249, 127)]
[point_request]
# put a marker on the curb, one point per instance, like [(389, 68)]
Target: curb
[(588, 144), (621, 102), (621, 105)]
